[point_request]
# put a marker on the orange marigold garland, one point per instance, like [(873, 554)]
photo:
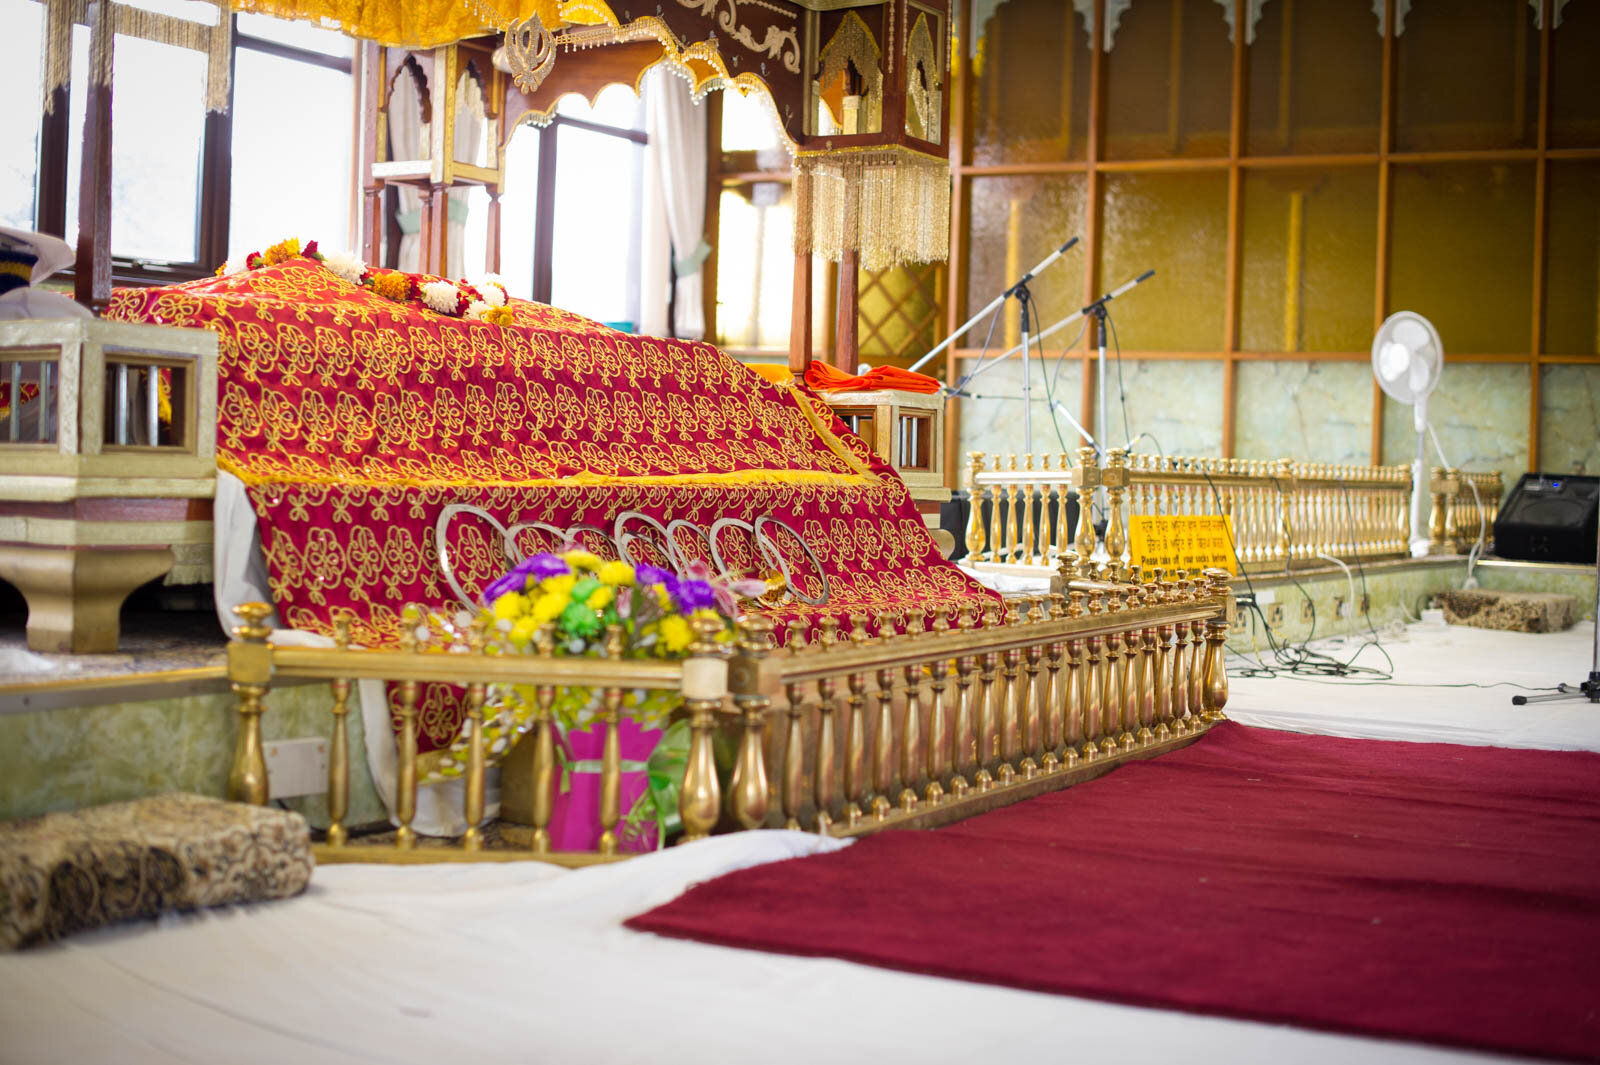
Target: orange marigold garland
[(483, 300)]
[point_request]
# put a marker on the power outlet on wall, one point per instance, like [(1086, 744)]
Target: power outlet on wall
[(1308, 610), (1341, 607), (296, 767), (1275, 614), (1366, 604)]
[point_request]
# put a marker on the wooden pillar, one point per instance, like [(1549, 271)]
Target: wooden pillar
[(846, 353), (92, 284), (425, 231), (800, 316), (491, 247), (372, 91)]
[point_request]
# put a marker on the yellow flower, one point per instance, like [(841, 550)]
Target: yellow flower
[(561, 585), (601, 597), (549, 607), (582, 559), (616, 573), (523, 630), (499, 316), (510, 606), (675, 634), (282, 251), (663, 596)]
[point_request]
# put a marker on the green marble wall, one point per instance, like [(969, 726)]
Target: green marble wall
[(1316, 411), (993, 424), (1479, 410), (1177, 401), (84, 756), (1396, 593), (1569, 423)]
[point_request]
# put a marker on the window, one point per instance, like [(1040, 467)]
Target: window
[(293, 114), (285, 144), (19, 123), (581, 179)]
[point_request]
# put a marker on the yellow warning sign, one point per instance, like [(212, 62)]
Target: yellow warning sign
[(1191, 542)]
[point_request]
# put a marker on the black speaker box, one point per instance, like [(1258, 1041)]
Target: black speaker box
[(1549, 518)]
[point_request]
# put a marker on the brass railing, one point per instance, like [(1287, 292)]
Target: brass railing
[(1284, 514), (1463, 505), (906, 718)]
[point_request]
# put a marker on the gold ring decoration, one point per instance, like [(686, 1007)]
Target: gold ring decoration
[(708, 555), (620, 544), (764, 542), (625, 539)]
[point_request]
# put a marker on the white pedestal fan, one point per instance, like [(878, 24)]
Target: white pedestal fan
[(1407, 359)]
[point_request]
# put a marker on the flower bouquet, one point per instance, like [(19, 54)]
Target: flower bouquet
[(575, 604)]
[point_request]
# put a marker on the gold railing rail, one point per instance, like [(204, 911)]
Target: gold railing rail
[(1284, 514), (1459, 512), (941, 715)]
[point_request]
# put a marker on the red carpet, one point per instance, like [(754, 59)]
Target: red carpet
[(1417, 891)]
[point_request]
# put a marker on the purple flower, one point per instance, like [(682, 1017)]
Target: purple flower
[(691, 595), (537, 566), (648, 574)]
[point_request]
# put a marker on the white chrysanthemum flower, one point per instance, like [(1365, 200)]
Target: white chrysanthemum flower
[(232, 266), (441, 296), (493, 289), (345, 265), (476, 308)]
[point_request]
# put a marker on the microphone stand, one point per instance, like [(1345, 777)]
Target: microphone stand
[(1021, 284)]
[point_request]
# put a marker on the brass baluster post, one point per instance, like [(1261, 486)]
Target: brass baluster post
[(988, 741), (749, 788), (477, 694), (855, 737), (910, 740), (977, 539), (544, 748), (250, 667), (963, 746), (794, 775), (938, 724), (705, 682), (339, 747), (611, 751)]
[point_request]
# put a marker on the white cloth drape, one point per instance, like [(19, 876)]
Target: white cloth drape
[(469, 138), (408, 139), (673, 225)]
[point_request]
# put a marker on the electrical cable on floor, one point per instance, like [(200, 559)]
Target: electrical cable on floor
[(1297, 660)]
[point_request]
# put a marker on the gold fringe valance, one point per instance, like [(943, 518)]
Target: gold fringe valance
[(216, 41), (890, 204)]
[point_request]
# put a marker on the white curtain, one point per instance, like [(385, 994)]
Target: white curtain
[(408, 139), (673, 226), (468, 147)]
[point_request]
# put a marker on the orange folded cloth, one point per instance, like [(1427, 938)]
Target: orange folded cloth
[(825, 377)]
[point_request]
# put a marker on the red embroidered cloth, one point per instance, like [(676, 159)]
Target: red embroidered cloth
[(355, 420)]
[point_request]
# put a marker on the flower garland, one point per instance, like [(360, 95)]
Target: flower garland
[(569, 604), (483, 300)]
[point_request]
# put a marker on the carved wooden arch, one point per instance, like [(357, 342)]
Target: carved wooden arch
[(419, 80), (924, 84), (853, 47)]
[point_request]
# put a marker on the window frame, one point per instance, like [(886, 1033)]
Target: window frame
[(213, 204)]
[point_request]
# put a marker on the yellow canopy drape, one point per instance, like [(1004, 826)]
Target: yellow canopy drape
[(409, 23)]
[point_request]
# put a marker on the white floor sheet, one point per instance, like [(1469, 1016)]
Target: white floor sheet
[(529, 963)]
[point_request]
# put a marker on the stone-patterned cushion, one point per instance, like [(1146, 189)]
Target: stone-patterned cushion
[(66, 872), (1487, 608)]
